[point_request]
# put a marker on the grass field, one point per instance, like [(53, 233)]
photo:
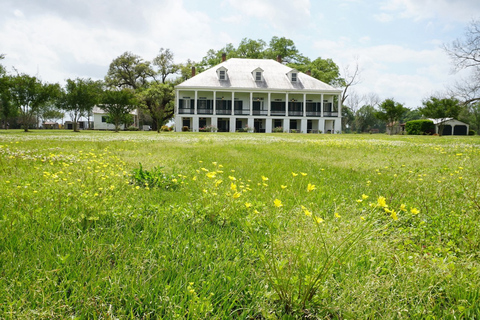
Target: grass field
[(98, 225)]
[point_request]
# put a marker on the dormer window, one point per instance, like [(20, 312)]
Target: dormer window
[(222, 73), (293, 75), (258, 74)]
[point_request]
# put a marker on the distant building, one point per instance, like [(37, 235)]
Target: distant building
[(451, 127), (100, 120), (258, 95)]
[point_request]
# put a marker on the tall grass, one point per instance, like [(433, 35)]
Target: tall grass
[(251, 226)]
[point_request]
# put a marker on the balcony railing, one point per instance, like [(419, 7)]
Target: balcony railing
[(313, 114), (244, 112), (277, 112), (295, 113), (186, 110), (204, 111), (260, 112), (330, 114), (223, 111)]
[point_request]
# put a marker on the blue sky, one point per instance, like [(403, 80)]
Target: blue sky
[(397, 43)]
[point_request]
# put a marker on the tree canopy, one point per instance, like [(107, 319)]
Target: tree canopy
[(79, 97), (118, 104), (441, 109), (390, 112), (27, 95)]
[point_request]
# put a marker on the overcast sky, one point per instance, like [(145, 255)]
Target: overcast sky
[(398, 43)]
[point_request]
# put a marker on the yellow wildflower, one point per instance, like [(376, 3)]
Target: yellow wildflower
[(403, 208), (310, 187), (264, 178), (414, 211), (278, 203), (394, 215), (307, 213), (236, 195), (283, 187), (381, 202), (214, 163), (211, 175), (233, 187), (232, 178), (318, 219), (294, 174), (303, 174), (248, 204), (364, 197), (337, 215), (362, 217)]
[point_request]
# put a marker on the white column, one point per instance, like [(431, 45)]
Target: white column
[(232, 124), (286, 124), (194, 127), (214, 102), (195, 105), (340, 107), (178, 123), (269, 104), (232, 112), (321, 106), (321, 125), (251, 105), (214, 121), (286, 106), (305, 105), (303, 126), (250, 122), (268, 125)]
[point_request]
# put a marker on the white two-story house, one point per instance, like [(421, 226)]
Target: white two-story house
[(260, 95)]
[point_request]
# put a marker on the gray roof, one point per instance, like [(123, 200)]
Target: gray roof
[(239, 76)]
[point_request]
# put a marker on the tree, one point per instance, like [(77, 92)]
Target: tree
[(286, 49), (390, 112), (79, 97), (365, 119), (441, 109), (185, 70), (471, 115), (27, 95), (158, 101), (253, 49), (165, 64), (2, 68), (118, 104), (465, 54), (129, 71)]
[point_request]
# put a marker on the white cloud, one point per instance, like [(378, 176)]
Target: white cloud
[(393, 71), (283, 15), (383, 17), (449, 10)]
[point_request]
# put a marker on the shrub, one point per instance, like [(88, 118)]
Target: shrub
[(153, 178), (165, 128), (185, 129), (209, 128), (471, 132), (419, 127), (132, 128), (278, 129)]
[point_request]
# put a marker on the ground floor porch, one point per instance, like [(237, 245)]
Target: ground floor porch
[(199, 123)]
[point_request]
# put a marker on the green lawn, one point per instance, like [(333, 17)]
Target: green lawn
[(103, 225)]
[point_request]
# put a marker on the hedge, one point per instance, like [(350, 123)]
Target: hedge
[(420, 127)]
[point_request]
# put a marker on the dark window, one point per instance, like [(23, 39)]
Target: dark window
[(104, 119), (294, 77), (222, 74), (258, 76)]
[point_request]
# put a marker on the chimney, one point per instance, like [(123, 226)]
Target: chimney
[(193, 72), (224, 57), (309, 72), (279, 59)]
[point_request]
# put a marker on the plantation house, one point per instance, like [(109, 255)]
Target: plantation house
[(257, 95)]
